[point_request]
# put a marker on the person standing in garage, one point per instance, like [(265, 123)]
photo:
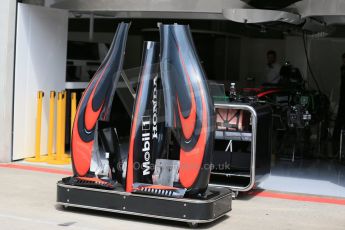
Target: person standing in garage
[(272, 68), (340, 121)]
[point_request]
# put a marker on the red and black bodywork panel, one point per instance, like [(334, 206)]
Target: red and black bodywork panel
[(147, 137), (109, 142), (189, 109), (96, 102)]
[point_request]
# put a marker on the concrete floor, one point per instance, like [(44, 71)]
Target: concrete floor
[(27, 201), (317, 177)]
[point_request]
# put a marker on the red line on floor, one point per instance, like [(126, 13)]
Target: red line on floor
[(258, 193), (37, 169), (295, 197)]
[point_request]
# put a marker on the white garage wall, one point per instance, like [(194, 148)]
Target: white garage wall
[(40, 64), (7, 35)]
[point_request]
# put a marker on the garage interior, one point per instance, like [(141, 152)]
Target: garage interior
[(64, 43)]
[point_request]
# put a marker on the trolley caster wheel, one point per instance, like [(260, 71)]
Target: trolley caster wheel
[(234, 194), (192, 224)]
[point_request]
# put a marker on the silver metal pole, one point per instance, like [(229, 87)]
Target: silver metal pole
[(91, 26)]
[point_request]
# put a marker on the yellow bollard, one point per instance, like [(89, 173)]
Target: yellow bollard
[(51, 126), (60, 158), (63, 133), (38, 157), (73, 108)]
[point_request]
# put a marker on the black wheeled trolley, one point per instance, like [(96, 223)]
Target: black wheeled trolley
[(215, 204), (165, 172)]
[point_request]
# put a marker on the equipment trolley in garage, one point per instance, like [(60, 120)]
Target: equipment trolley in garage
[(242, 149)]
